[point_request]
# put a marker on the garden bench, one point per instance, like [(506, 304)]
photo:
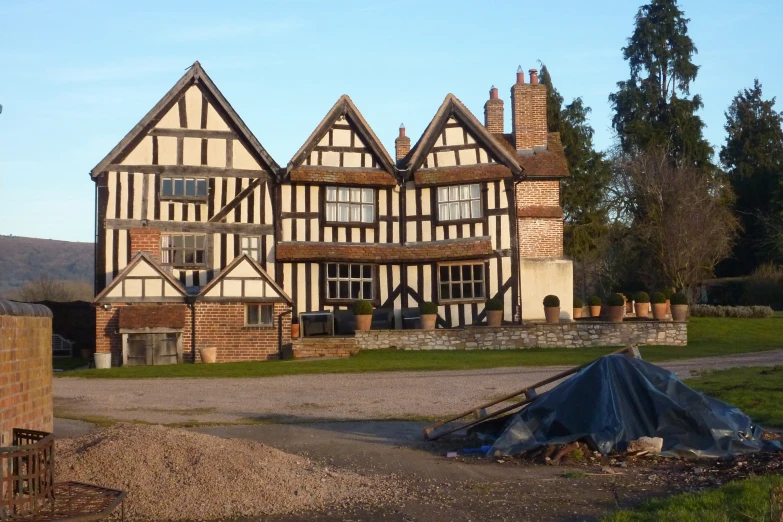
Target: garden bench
[(28, 491)]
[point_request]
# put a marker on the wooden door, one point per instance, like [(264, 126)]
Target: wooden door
[(152, 349)]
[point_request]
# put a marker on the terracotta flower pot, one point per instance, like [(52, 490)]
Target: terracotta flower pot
[(628, 306), (679, 313), (552, 314), (577, 313), (294, 331), (642, 309), (595, 311), (428, 321), (616, 313), (659, 311), (494, 317), (208, 355), (363, 322)]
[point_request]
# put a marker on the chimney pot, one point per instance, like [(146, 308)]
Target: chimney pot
[(534, 76), (402, 130), (493, 93), (520, 75)]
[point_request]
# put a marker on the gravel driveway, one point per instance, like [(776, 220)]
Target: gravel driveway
[(388, 395)]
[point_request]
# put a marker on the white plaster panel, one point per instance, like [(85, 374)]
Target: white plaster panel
[(467, 156), (370, 234), (492, 276), (216, 152), (232, 288), (116, 291), (330, 158), (191, 151), (357, 141), (193, 99), (426, 200), (242, 158), (217, 251), (446, 158), (452, 120), (327, 234), (455, 136), (138, 195), (177, 212), (439, 233), (410, 231), (214, 120), (301, 228), (122, 251), (314, 287), (151, 196), (541, 277), (427, 277), (490, 196), (167, 150), (492, 226), (314, 158), (352, 159), (426, 232), (285, 197), (410, 199), (287, 229), (483, 158), (313, 198), (123, 182), (255, 288), (503, 196), (341, 235), (153, 288), (395, 232), (143, 269), (214, 291), (368, 160), (430, 160), (341, 137), (470, 140), (132, 287), (324, 141), (141, 154), (382, 275), (170, 120), (301, 289), (244, 269), (288, 281), (269, 217), (508, 305), (505, 232), (111, 209)]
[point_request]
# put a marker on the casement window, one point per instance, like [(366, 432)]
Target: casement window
[(461, 282), (181, 187), (183, 250), (250, 245), (259, 315), (459, 202), (350, 205), (349, 281)]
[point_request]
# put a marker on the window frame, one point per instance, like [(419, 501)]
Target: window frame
[(446, 222), (258, 248), (343, 300), (171, 249), (460, 300), (271, 322), (352, 224), (183, 197)]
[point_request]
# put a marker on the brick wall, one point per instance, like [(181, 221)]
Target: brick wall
[(493, 114), (25, 369), (223, 325), (145, 239), (528, 116), (531, 193), (541, 231)]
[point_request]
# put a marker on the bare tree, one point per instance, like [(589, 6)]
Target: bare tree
[(46, 288), (680, 217)]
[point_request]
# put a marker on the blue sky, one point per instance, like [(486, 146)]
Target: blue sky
[(75, 76)]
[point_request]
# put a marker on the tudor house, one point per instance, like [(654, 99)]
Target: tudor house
[(202, 240)]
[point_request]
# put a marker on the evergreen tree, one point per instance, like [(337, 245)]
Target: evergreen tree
[(653, 108), (753, 158)]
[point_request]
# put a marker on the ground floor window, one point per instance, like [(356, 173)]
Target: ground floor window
[(461, 282), (349, 281), (258, 315), (250, 245)]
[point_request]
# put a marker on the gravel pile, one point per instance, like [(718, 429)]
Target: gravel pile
[(173, 474)]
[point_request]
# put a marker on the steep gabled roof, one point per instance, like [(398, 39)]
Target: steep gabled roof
[(194, 75), (138, 259), (453, 107), (258, 269), (344, 107)]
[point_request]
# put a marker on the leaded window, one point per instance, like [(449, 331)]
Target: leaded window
[(349, 281), (461, 282), (350, 205), (258, 315), (459, 202), (183, 249), (250, 245), (182, 187)]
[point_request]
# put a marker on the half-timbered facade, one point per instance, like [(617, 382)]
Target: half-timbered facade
[(467, 214)]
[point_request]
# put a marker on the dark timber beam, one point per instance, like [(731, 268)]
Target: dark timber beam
[(180, 226)]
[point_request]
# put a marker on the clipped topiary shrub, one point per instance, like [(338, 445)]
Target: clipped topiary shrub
[(551, 301), (738, 312), (494, 305), (678, 298), (641, 297), (658, 298), (668, 293), (595, 301), (428, 308), (615, 300), (362, 307), (578, 303)]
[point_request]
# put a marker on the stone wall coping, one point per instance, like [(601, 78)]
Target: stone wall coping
[(23, 309), (329, 338)]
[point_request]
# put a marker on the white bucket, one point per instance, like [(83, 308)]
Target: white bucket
[(102, 360)]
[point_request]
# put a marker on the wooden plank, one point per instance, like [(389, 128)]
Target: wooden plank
[(194, 226), (191, 170), (193, 133)]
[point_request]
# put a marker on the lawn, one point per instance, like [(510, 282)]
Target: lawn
[(757, 391), (706, 337), (748, 499)]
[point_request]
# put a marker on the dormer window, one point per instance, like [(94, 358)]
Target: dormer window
[(350, 205), (459, 202)]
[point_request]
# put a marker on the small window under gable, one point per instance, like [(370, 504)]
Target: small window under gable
[(259, 315), (459, 202)]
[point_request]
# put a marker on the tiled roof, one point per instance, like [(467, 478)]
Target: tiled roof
[(548, 163)]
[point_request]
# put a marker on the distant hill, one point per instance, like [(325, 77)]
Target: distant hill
[(24, 259)]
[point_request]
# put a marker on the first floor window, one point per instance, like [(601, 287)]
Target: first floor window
[(349, 281), (183, 249), (251, 245), (258, 315), (181, 187), (459, 202), (461, 282), (350, 205)]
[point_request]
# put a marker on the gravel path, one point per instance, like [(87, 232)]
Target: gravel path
[(388, 395)]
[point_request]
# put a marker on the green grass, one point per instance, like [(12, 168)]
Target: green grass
[(707, 337), (746, 500), (757, 391), (68, 364)]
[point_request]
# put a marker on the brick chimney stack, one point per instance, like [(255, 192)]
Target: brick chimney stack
[(402, 144), (145, 239), (528, 115), (493, 112)]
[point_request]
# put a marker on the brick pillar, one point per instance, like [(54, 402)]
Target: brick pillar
[(145, 239), (493, 112), (402, 144)]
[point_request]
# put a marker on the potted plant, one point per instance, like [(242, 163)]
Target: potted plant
[(658, 306), (595, 306), (641, 304), (362, 311), (668, 293), (578, 305), (552, 309), (208, 354), (628, 297), (616, 305), (494, 308), (679, 304), (429, 314)]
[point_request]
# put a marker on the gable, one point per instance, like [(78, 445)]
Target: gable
[(243, 280), (341, 145), (456, 145), (142, 280)]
